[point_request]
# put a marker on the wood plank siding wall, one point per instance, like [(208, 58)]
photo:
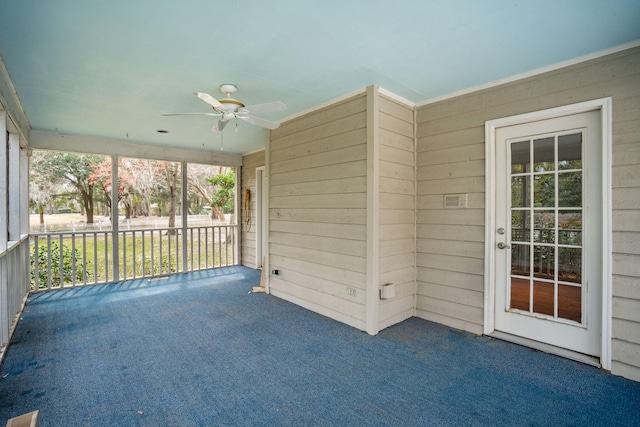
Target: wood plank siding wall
[(317, 210), (396, 171), (450, 159), (356, 200), (249, 164)]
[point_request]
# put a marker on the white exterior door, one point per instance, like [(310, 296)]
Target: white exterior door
[(548, 232)]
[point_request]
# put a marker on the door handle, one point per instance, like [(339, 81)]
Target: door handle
[(503, 245)]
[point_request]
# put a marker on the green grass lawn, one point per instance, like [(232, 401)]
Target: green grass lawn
[(148, 253)]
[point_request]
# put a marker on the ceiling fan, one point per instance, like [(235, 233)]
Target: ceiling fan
[(229, 109)]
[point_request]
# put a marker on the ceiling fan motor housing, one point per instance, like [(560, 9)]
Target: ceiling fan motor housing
[(232, 105)]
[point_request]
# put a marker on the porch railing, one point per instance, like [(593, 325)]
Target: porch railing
[(68, 258), (13, 286)]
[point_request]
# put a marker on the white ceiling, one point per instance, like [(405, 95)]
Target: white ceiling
[(111, 68)]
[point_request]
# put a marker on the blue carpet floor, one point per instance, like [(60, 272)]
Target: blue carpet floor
[(199, 350)]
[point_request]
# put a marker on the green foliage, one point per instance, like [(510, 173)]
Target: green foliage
[(163, 266), (544, 190), (69, 258), (223, 197), (70, 175), (556, 190)]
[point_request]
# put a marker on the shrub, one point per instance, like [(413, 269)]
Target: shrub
[(69, 257)]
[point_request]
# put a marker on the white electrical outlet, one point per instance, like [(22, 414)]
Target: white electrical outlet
[(351, 292)]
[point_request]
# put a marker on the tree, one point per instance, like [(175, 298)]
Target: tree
[(166, 177), (198, 178), (41, 190), (126, 183), (141, 177), (223, 198), (101, 177), (73, 169)]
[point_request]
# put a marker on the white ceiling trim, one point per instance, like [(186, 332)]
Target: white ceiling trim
[(334, 101), (324, 105), (533, 73), (396, 98)]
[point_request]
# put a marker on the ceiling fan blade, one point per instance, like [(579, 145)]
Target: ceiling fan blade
[(211, 101), (263, 108), (192, 114), (260, 122), (218, 127)]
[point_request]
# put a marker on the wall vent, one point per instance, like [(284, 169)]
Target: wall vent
[(453, 201)]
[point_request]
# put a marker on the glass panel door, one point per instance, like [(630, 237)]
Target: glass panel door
[(546, 226), (546, 232)]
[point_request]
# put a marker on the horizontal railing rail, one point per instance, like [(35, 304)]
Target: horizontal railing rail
[(77, 258), (104, 224)]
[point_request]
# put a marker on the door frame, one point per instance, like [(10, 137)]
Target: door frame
[(602, 105), (260, 216)]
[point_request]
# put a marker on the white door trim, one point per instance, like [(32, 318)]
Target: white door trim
[(260, 216), (604, 106)]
